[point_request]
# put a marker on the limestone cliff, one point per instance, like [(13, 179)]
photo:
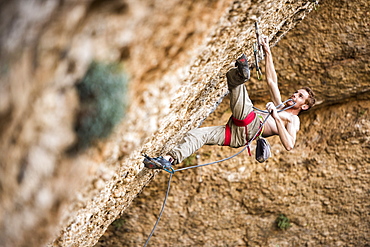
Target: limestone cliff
[(177, 54)]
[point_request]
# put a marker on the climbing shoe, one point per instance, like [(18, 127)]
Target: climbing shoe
[(243, 67), (157, 163)]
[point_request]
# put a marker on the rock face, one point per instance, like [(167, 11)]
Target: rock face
[(177, 54)]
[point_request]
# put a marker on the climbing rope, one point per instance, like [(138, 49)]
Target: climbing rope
[(284, 109), (172, 171), (161, 212)]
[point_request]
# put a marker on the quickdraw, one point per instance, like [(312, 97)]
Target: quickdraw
[(258, 52), (152, 163)]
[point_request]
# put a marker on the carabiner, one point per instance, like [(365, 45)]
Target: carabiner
[(259, 73), (171, 170)]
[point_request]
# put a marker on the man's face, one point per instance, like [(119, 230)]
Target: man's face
[(299, 97)]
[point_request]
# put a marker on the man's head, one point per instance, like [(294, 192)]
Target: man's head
[(304, 98), (311, 100)]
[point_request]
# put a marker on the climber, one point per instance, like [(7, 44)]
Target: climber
[(244, 123)]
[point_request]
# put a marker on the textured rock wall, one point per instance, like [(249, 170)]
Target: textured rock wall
[(203, 88), (322, 185)]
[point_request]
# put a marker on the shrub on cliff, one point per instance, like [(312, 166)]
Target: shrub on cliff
[(102, 94)]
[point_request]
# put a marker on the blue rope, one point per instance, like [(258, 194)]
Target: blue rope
[(284, 109), (161, 212)]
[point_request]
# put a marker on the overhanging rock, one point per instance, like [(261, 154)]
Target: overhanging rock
[(230, 37)]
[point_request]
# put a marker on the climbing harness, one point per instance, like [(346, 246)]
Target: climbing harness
[(172, 171), (258, 52), (241, 123)]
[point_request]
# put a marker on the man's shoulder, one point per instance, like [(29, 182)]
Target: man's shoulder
[(295, 117), (289, 116), (292, 119), (295, 121)]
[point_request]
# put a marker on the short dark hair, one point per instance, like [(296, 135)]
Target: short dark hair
[(311, 100)]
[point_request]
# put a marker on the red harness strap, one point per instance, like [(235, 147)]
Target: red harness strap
[(240, 123), (227, 135), (247, 120)]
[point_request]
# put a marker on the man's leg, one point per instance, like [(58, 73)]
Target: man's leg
[(241, 106), (195, 139), (240, 103)]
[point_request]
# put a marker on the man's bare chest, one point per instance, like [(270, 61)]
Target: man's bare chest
[(270, 127)]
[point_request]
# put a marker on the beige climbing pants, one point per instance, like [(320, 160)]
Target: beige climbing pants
[(240, 105)]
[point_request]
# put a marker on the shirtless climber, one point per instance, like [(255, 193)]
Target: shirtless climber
[(245, 123)]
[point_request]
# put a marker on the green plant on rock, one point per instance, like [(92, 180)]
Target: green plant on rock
[(361, 112), (283, 222), (118, 223), (191, 160), (102, 94)]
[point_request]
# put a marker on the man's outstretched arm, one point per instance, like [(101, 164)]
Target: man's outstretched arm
[(271, 76)]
